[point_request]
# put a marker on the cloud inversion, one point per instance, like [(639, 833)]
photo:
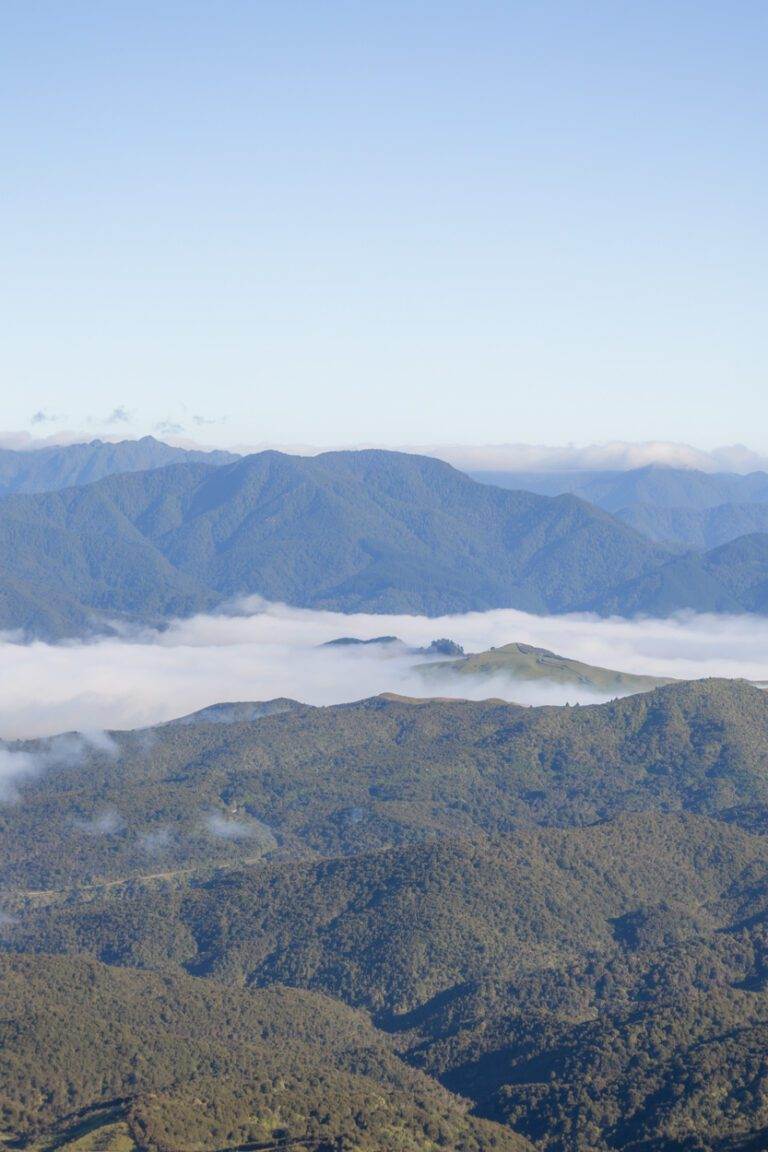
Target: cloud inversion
[(147, 677)]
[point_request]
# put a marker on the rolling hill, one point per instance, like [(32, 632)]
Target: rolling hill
[(525, 662), (184, 796)]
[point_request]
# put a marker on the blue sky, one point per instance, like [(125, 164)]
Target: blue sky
[(388, 222)]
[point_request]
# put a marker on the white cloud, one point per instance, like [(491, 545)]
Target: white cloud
[(14, 766), (148, 677), (224, 828), (156, 841)]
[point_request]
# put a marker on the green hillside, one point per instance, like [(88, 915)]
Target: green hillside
[(190, 1064), (380, 774), (365, 531), (525, 662), (425, 925), (732, 578)]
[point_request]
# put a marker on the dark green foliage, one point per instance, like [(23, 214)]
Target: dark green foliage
[(560, 914), (651, 1047), (383, 773), (390, 931), (208, 1066)]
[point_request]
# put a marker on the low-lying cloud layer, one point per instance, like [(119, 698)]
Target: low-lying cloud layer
[(147, 677)]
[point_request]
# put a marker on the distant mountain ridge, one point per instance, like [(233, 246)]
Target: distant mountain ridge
[(69, 465), (673, 506), (656, 484)]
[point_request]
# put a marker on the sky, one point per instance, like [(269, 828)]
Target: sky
[(311, 221)]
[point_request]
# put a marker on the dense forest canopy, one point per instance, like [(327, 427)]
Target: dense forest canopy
[(413, 924)]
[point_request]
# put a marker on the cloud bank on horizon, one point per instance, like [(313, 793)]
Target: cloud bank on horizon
[(615, 455), (147, 677)]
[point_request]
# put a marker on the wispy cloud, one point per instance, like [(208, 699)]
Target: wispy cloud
[(101, 824), (227, 828), (202, 421), (156, 841), (43, 416), (17, 764), (119, 415)]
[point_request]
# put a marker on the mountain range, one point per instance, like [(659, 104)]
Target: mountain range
[(679, 507), (366, 531), (350, 531)]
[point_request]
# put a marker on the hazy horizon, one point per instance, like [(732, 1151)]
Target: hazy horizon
[(607, 456)]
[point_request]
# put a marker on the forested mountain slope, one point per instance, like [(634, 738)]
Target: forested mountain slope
[(673, 506), (372, 531), (349, 531), (380, 774), (560, 914), (654, 485), (203, 1065)]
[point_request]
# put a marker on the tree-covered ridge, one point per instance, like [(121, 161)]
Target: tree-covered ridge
[(593, 988), (366, 531), (390, 931), (380, 774), (681, 507), (203, 1066), (557, 915)]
